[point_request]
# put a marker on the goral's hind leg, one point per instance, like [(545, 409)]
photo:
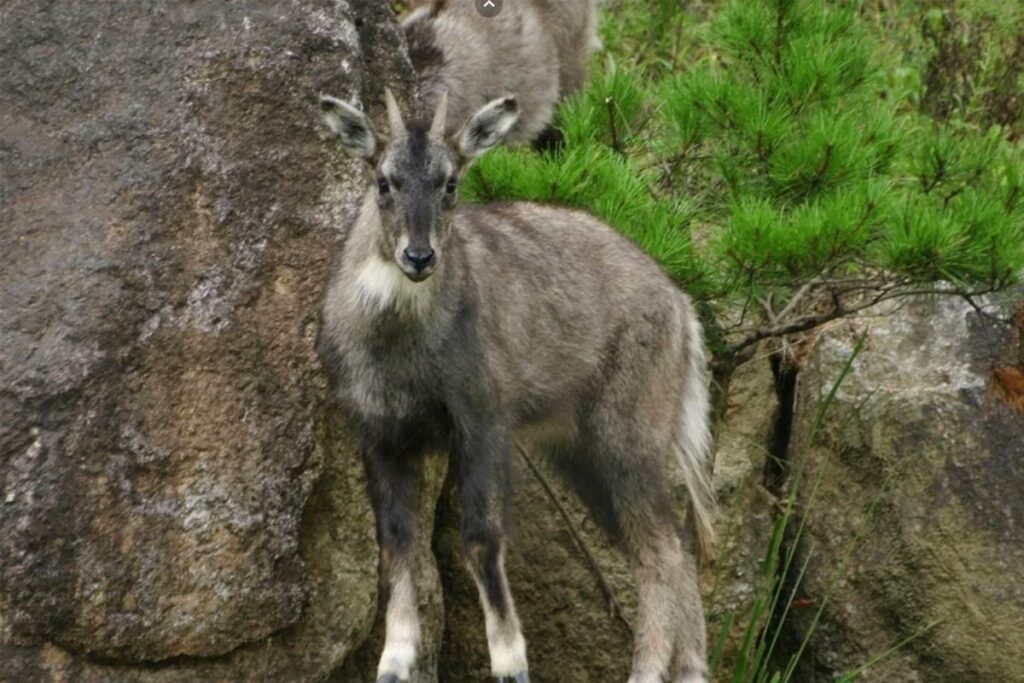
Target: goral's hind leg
[(670, 632), (689, 657), (630, 432), (669, 642)]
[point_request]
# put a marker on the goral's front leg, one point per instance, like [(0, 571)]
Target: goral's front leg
[(482, 453), (394, 484)]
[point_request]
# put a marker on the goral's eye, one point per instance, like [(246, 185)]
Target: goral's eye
[(450, 187), (382, 185)]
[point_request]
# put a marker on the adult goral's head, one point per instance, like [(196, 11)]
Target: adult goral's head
[(417, 170)]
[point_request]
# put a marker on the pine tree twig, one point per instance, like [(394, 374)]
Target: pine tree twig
[(780, 22), (980, 310), (797, 297), (940, 175), (893, 291), (609, 103), (614, 606), (646, 120), (766, 304), (819, 175), (678, 42), (1011, 198)]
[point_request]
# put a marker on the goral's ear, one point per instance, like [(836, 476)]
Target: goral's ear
[(353, 130), (488, 127)]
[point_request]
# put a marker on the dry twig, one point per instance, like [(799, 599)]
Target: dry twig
[(615, 608)]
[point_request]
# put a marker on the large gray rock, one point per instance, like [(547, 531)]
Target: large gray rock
[(170, 489), (915, 457), (747, 510)]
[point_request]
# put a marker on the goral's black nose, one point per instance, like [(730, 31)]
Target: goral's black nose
[(420, 258)]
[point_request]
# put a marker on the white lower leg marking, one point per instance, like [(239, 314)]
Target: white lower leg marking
[(658, 607), (693, 677), (504, 637), (694, 671), (402, 629), (645, 678), (508, 653)]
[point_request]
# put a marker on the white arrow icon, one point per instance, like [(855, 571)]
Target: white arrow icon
[(486, 8)]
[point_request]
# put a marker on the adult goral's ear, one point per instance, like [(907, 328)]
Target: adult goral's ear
[(488, 127), (353, 130), (423, 9)]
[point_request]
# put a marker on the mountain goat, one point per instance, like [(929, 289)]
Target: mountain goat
[(457, 327), (535, 50)]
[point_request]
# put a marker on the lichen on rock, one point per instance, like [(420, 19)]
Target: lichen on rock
[(917, 463)]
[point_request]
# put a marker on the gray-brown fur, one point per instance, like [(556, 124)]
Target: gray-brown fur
[(536, 50), (527, 316)]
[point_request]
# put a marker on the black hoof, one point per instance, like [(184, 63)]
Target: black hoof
[(521, 677), (550, 140), (388, 678)]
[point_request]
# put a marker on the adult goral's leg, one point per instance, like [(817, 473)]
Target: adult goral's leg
[(669, 643), (394, 485), (670, 631), (483, 484), (689, 660), (631, 432)]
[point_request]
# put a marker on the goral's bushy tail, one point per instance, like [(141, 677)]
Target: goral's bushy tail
[(694, 445)]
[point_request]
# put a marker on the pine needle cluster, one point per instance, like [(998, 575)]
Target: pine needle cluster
[(762, 155)]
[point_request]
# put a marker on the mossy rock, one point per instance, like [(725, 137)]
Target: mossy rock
[(912, 494)]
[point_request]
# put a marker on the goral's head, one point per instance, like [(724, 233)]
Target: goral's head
[(416, 171)]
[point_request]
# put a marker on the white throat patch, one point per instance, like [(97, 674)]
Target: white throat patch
[(381, 285)]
